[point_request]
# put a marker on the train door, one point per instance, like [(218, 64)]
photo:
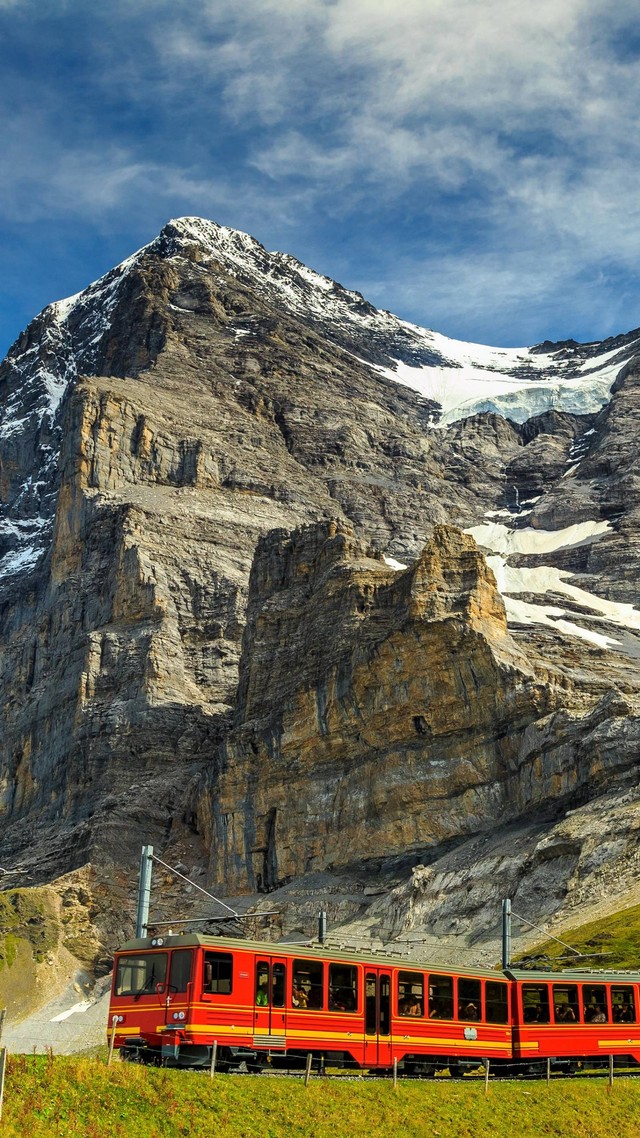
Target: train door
[(177, 992), (270, 1013), (377, 1019)]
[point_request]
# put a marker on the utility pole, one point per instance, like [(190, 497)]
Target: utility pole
[(506, 933), (144, 892), (322, 926)]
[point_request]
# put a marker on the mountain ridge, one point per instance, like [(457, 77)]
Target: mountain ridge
[(71, 338), (193, 409)]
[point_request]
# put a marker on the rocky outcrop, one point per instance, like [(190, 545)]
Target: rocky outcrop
[(368, 697)]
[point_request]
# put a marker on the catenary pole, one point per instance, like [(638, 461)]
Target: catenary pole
[(144, 892), (506, 933)]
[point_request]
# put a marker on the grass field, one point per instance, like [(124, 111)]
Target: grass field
[(48, 1097), (616, 937)]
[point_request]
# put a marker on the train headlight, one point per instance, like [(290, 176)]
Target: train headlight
[(120, 1019), (180, 1015), (157, 942)]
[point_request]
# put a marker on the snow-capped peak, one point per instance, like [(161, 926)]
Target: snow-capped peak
[(464, 378), (72, 337)]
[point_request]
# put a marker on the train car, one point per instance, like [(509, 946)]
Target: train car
[(172, 997), (574, 1018)]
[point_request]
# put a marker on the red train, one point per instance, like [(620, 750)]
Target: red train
[(172, 997)]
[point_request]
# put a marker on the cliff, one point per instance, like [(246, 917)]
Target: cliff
[(209, 473)]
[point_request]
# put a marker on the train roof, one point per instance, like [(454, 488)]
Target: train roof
[(313, 951), (339, 953), (606, 976)]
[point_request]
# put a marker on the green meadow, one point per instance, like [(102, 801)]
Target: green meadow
[(47, 1097), (611, 942)]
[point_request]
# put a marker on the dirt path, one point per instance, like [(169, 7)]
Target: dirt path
[(74, 1020)]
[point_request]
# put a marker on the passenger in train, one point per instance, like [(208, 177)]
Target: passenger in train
[(564, 1013), (341, 1002), (623, 1013), (468, 1011), (595, 1014), (314, 997), (299, 997), (410, 1006), (438, 1010)]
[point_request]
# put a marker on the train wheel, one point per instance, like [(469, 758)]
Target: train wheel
[(257, 1065), (416, 1069)]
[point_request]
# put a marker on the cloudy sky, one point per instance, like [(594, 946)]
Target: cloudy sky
[(469, 164)]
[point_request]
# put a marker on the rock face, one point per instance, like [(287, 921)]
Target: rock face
[(367, 696), (313, 706)]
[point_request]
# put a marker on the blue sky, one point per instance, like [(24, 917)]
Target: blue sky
[(469, 164)]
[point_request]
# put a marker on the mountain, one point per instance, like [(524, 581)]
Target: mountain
[(240, 619)]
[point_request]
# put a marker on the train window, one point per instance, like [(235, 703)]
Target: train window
[(594, 998), (308, 984), (535, 1003), (441, 997), (218, 973), (180, 971), (137, 975), (623, 1005), (497, 1002), (262, 984), (410, 994), (278, 979), (469, 999), (384, 1024), (343, 988), (565, 1003)]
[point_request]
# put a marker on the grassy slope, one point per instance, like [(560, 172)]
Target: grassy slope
[(617, 935), (62, 1098), (28, 931)]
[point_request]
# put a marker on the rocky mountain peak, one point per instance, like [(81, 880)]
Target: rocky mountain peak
[(451, 578), (241, 617)]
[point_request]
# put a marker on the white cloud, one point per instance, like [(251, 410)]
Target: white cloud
[(523, 103), (513, 124)]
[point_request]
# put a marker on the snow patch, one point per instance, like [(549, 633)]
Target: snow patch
[(522, 612), (500, 539), (62, 308), (392, 563), (547, 579), (83, 1006), (55, 387), (12, 426), (19, 559), (475, 379)]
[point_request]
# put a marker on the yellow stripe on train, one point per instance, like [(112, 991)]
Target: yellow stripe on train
[(348, 1037)]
